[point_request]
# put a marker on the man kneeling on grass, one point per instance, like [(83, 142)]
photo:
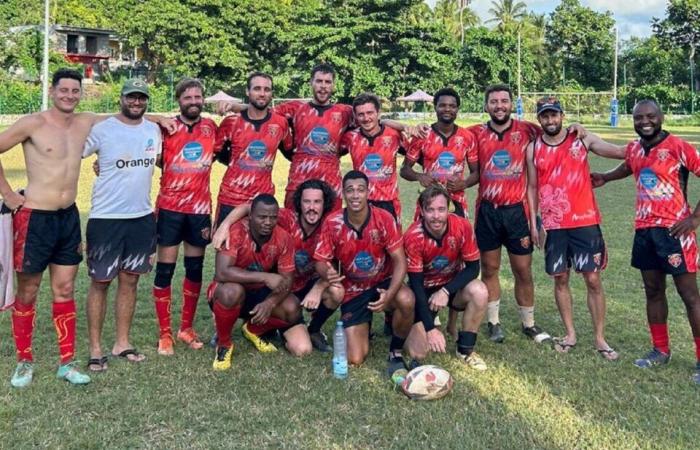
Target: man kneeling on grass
[(443, 266), (253, 280)]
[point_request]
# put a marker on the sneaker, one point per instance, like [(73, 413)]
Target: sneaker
[(224, 356), (165, 345), (437, 321), (537, 334), (189, 337), (23, 374), (495, 332), (696, 375), (259, 343), (473, 360), (319, 341), (395, 363), (652, 359), (414, 364), (69, 373)]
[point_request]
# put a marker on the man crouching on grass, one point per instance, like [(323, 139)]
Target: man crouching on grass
[(253, 280)]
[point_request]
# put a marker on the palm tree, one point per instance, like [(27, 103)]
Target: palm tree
[(455, 15), (507, 13)]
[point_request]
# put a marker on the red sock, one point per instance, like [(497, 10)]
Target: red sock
[(22, 329), (272, 323), (190, 294), (225, 319), (64, 321), (162, 298), (697, 347), (659, 336)]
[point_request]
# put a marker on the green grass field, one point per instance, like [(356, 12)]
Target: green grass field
[(531, 397)]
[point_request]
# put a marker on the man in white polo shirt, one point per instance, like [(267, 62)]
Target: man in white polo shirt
[(121, 230)]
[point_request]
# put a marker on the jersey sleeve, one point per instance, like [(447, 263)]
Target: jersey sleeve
[(533, 130), (234, 236), (325, 247), (473, 150), (287, 142), (690, 157), (415, 150), (470, 251), (285, 264), (287, 109), (393, 236), (345, 143), (285, 219), (224, 132), (92, 143), (414, 254)]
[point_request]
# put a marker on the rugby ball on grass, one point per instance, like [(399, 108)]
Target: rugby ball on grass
[(427, 383)]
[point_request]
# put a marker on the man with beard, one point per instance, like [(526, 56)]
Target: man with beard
[(498, 165), (443, 152), (443, 266), (366, 242), (664, 239), (121, 229), (313, 200), (253, 281), (318, 127), (559, 186), (184, 212), (373, 148), (248, 145)]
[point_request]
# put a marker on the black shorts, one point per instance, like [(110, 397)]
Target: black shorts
[(386, 205), (582, 248), (506, 226), (450, 303), (301, 293), (655, 249), (120, 245), (355, 311), (174, 227), (253, 297), (221, 212), (46, 237)]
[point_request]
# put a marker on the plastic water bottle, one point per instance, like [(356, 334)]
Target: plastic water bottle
[(340, 352)]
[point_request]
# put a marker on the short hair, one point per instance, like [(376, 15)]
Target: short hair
[(497, 88), (365, 98), (328, 195), (446, 92), (355, 175), (259, 74), (432, 191), (648, 101), (66, 73), (265, 199), (323, 68), (188, 83)]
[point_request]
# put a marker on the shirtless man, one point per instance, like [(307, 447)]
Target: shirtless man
[(53, 143)]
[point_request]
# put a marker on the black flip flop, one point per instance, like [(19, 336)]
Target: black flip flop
[(101, 362), (130, 352)]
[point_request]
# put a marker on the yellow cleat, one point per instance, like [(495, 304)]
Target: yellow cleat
[(259, 343), (224, 356)]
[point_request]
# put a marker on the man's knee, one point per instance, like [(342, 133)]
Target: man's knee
[(290, 309), (128, 279), (229, 295), (28, 289), (356, 356), (405, 300), (594, 283), (63, 288), (333, 296), (477, 293), (300, 345)]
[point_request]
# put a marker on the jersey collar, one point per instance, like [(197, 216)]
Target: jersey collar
[(501, 133), (429, 235), (445, 139), (363, 226), (647, 148), (320, 109), (256, 123), (371, 138)]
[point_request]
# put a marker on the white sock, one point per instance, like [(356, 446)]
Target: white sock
[(527, 315), (492, 311)]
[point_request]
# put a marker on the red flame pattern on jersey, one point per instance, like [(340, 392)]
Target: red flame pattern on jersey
[(363, 254), (440, 259), (375, 156), (564, 184), (501, 159), (187, 158), (254, 146), (661, 177), (317, 133)]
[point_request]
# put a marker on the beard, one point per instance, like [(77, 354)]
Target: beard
[(556, 130), (132, 116), (191, 112), (498, 121)]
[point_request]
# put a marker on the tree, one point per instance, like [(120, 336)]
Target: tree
[(681, 27), (507, 13), (455, 15), (581, 42)]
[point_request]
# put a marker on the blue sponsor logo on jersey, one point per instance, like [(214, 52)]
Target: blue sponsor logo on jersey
[(192, 151), (257, 150), (320, 136), (373, 162), (648, 178), (501, 159), (439, 262), (255, 267), (364, 261), (446, 160), (301, 259)]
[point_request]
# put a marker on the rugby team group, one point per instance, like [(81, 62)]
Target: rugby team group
[(535, 189)]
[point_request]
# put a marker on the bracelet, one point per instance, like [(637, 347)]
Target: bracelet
[(446, 291)]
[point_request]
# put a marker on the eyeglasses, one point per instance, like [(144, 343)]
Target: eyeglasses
[(136, 99)]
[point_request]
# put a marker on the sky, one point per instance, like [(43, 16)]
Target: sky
[(632, 16)]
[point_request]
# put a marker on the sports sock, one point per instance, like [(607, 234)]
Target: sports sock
[(162, 301), (466, 342), (396, 345), (64, 321), (272, 323), (697, 347), (527, 315), (190, 294), (225, 319), (319, 317), (659, 336), (23, 328), (492, 311)]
